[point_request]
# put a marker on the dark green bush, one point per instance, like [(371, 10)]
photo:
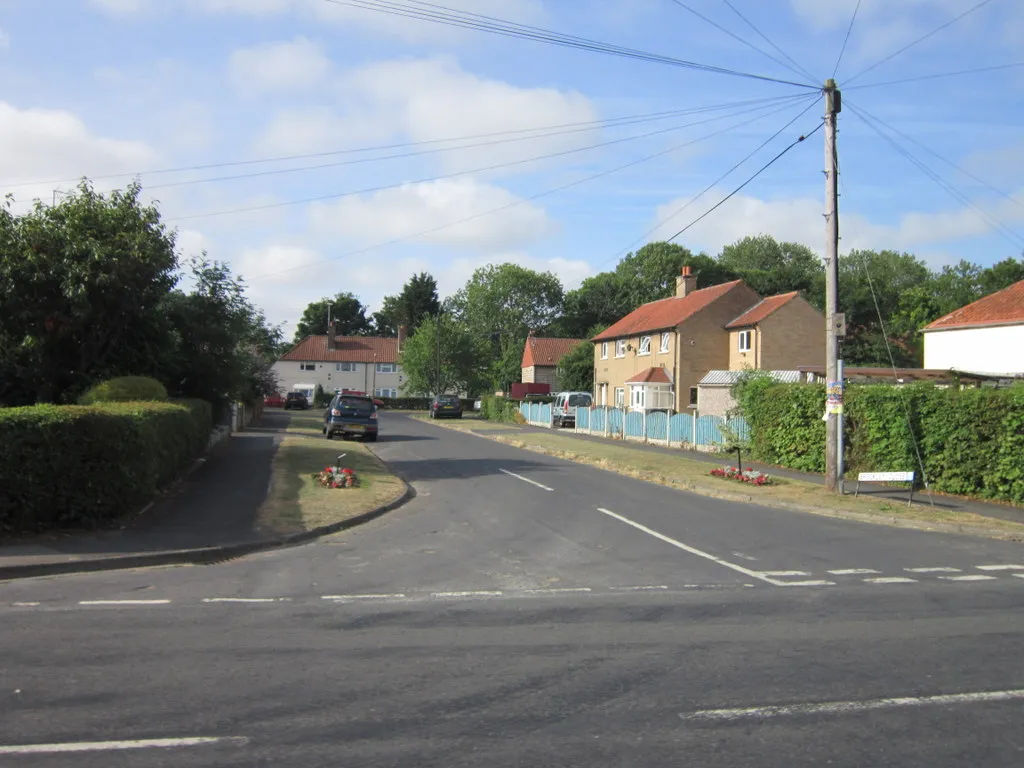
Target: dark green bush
[(494, 408), (64, 466), (125, 389)]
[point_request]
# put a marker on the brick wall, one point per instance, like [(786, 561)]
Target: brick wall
[(791, 337)]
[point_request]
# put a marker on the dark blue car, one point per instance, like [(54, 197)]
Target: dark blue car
[(351, 415)]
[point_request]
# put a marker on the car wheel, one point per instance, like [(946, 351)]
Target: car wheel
[(330, 435), (371, 438)]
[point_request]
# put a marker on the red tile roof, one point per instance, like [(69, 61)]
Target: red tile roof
[(999, 308), (347, 349), (762, 309), (547, 351), (650, 376), (666, 313)]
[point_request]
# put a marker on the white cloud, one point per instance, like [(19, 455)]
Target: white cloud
[(279, 66), (5, 40), (406, 211), (312, 129)]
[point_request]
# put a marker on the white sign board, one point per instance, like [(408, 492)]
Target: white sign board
[(885, 477)]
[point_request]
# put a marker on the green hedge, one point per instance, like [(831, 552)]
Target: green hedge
[(63, 466), (971, 440), (124, 390), (494, 408), (417, 403)]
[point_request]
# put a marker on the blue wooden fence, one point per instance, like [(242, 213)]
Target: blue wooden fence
[(681, 429)]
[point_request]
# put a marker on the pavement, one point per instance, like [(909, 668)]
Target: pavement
[(524, 610)]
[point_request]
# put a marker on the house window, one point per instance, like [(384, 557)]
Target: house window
[(645, 345), (347, 367), (386, 392), (307, 366), (744, 341), (387, 367), (604, 350), (693, 397), (620, 348), (620, 397), (664, 342), (638, 397)]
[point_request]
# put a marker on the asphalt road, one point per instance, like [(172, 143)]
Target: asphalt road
[(522, 610)]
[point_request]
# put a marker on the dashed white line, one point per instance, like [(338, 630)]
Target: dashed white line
[(24, 605), (124, 602), (245, 599), (526, 480), (891, 580), (393, 596), (644, 588), (111, 746), (939, 569), (808, 583), (470, 593), (969, 577), (854, 572), (1019, 575), (1000, 567), (557, 591), (850, 707), (786, 573)]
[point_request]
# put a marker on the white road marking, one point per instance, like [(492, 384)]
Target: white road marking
[(25, 605), (940, 569), (742, 556), (526, 480), (646, 588), (854, 572), (891, 580), (109, 746), (1000, 567), (851, 707), (786, 573), (124, 602), (1019, 575), (692, 550), (969, 577), (245, 599), (477, 593), (809, 583), (556, 590), (394, 596)]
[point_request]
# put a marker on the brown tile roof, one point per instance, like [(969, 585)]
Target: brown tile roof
[(539, 350), (999, 308), (762, 309), (650, 376), (666, 313), (347, 349)]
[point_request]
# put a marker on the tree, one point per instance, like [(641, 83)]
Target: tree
[(650, 273), (460, 366), (771, 267), (600, 300), (417, 301), (576, 369), (346, 312), (1001, 275)]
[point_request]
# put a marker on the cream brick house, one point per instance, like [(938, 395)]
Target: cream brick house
[(656, 356), (541, 355)]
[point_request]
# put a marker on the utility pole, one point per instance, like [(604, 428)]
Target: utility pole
[(437, 390), (833, 319)]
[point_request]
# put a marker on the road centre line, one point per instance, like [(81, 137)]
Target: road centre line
[(969, 577), (786, 573), (526, 480), (556, 590), (246, 599), (854, 572), (1000, 567), (394, 596), (850, 707), (891, 580), (644, 588), (24, 605), (692, 550), (940, 569), (124, 602), (477, 593), (110, 746)]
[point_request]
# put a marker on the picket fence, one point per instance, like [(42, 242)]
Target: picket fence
[(685, 430)]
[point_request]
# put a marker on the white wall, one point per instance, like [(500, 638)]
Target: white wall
[(983, 350), (364, 378)]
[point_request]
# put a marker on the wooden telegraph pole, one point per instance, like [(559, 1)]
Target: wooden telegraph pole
[(834, 321)]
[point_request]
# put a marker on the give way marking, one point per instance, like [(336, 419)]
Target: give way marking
[(112, 746)]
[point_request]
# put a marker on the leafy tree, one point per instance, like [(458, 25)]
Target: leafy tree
[(650, 273), (600, 300), (346, 312), (417, 301), (454, 363), (771, 267), (576, 369), (1001, 275)]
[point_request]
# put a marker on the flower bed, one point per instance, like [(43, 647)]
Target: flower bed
[(336, 477), (748, 476)]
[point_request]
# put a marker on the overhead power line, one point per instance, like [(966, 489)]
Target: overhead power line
[(849, 29), (536, 196), (736, 191), (496, 166), (764, 37), (746, 42), (921, 39), (938, 75), (452, 17)]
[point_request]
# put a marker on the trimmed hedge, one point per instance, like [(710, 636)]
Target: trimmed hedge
[(126, 389), (64, 466), (971, 440), (496, 408)]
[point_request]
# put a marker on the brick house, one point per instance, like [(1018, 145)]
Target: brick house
[(541, 356), (656, 356), (360, 363)]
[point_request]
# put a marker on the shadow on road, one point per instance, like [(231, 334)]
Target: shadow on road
[(447, 469)]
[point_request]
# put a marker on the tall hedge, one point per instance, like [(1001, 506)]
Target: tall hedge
[(124, 389), (971, 441), (63, 466)]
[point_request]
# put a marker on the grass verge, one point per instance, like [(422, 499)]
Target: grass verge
[(691, 475), (469, 423)]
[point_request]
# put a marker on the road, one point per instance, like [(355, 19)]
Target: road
[(523, 610)]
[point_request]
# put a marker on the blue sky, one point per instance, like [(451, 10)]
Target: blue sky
[(101, 87)]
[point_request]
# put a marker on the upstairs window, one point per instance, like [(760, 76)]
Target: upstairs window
[(620, 348), (307, 366), (744, 341), (604, 350), (665, 341), (645, 345), (387, 367), (347, 367)]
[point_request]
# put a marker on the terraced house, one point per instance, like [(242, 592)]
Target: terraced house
[(655, 357)]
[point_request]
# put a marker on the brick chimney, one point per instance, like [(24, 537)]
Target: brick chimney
[(686, 283), (331, 335), (403, 332)]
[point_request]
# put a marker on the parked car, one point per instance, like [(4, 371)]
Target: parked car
[(563, 409), (273, 400), (351, 415), (296, 400), (445, 407)]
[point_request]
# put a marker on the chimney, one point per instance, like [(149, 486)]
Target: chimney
[(331, 335), (403, 332), (686, 283)]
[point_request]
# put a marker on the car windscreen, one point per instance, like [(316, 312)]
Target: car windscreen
[(354, 405), (295, 395), (579, 400), (448, 400)]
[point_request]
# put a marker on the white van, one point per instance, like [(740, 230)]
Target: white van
[(563, 409)]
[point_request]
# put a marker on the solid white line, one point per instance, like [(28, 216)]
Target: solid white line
[(394, 596), (124, 602), (854, 572), (107, 746), (969, 577), (851, 707), (244, 599), (1000, 567), (786, 573), (691, 550), (526, 480), (940, 569), (478, 593), (891, 580)]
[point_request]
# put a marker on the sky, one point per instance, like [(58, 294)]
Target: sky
[(418, 146)]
